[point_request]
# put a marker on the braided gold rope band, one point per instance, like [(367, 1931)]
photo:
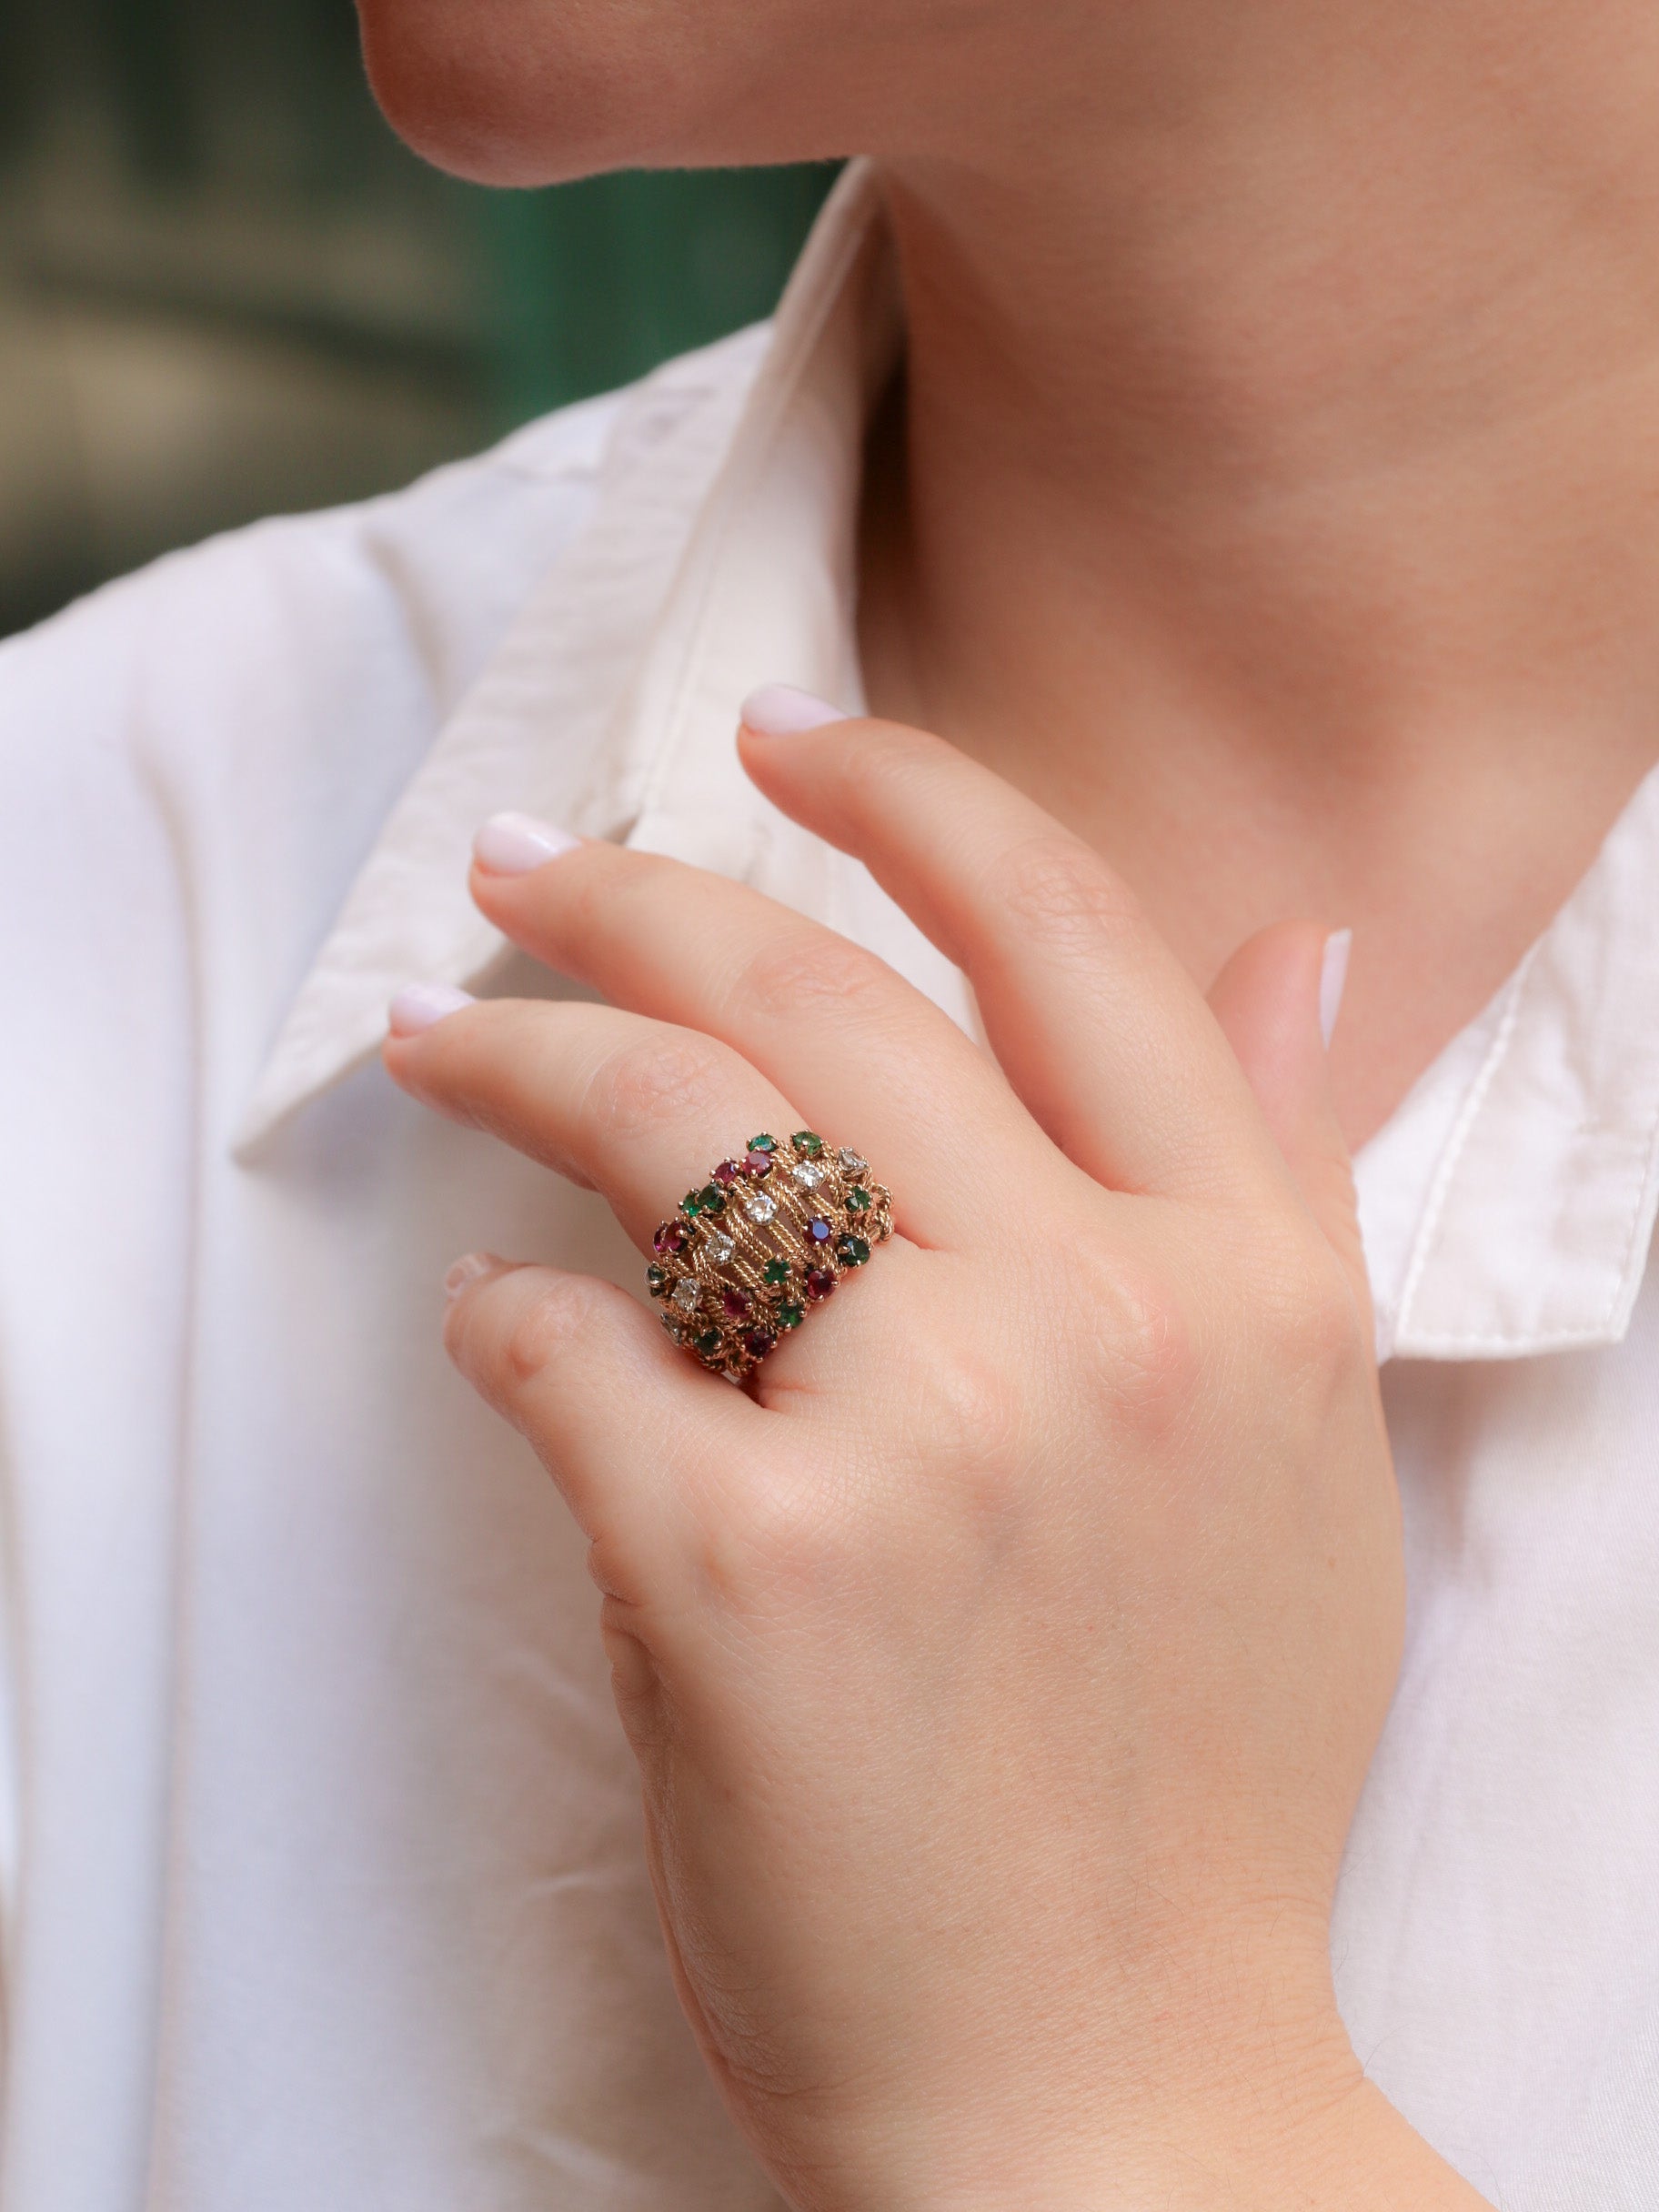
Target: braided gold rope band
[(766, 1238)]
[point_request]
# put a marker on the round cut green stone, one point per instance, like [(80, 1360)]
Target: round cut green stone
[(657, 1282), (788, 1316), (708, 1341), (692, 1203), (858, 1199), (777, 1271), (852, 1251), (711, 1198), (762, 1143), (807, 1144)]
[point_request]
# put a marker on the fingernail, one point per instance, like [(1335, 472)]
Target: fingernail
[(420, 1006), (779, 710), (466, 1269), (1332, 980), (513, 844)]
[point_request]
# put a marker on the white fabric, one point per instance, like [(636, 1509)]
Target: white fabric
[(321, 1875)]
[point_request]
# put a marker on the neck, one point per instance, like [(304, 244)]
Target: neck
[(1281, 443)]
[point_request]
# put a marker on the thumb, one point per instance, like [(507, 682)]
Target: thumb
[(1276, 1000)]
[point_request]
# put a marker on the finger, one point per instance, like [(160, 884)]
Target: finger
[(1099, 1029), (866, 1058), (636, 1110), (1276, 1000), (631, 1432), (639, 1112)]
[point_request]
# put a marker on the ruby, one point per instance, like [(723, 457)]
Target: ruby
[(757, 1163), (671, 1237), (817, 1230), (758, 1343), (727, 1171), (820, 1281), (737, 1304)]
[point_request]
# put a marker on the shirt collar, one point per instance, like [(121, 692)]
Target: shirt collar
[(1507, 1206)]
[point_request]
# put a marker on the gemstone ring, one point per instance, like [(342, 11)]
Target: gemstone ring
[(766, 1238)]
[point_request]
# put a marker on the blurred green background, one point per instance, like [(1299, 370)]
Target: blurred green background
[(227, 290)]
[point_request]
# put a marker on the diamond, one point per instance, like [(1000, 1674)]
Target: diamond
[(820, 1281), (851, 1251), (817, 1230), (760, 1208), (777, 1271), (850, 1163), (673, 1328), (807, 1144), (685, 1294), (721, 1247), (807, 1176)]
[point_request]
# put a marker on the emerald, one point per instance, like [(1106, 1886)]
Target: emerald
[(851, 1251), (858, 1199), (761, 1143), (657, 1281), (807, 1144), (789, 1316), (708, 1341), (711, 1198), (692, 1203), (777, 1271)]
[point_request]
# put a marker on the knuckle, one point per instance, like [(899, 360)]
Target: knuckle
[(1151, 1356), (511, 1351), (1057, 891), (811, 971), (669, 1080)]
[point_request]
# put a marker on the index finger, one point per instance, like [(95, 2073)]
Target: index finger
[(1099, 1027)]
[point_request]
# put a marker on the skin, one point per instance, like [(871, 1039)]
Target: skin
[(999, 1727), (1268, 495)]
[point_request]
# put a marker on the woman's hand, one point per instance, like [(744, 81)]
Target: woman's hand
[(1002, 1672)]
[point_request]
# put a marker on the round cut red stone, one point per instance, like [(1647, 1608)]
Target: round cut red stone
[(758, 1343), (758, 1164), (816, 1232), (820, 1281), (727, 1171), (671, 1237), (736, 1304)]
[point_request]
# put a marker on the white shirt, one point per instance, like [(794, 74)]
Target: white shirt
[(323, 1888)]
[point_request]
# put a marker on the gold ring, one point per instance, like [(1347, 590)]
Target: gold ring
[(766, 1238)]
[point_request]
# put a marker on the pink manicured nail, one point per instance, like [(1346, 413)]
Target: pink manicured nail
[(466, 1269), (513, 844), (420, 1006), (779, 710), (1332, 980)]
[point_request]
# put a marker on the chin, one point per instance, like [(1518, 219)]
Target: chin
[(528, 91)]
